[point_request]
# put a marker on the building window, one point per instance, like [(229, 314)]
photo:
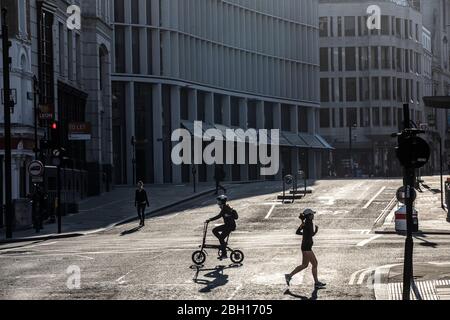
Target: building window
[(352, 118), (364, 94), (70, 54), (46, 58), (399, 60), (398, 27), (363, 58), (385, 88), (149, 12), (385, 59), (325, 118), (376, 116), (362, 23), (134, 11), (385, 25), (323, 27), (374, 58), (340, 27), (218, 118), (340, 52), (136, 50), (120, 49), (341, 117), (349, 26), (341, 90), (324, 59), (399, 90), (364, 117), (375, 88), (386, 111), (350, 59), (119, 11), (350, 84), (62, 51), (324, 90)]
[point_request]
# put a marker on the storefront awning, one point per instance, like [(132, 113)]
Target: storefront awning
[(315, 141), (294, 139)]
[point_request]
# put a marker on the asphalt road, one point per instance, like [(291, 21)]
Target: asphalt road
[(155, 262)]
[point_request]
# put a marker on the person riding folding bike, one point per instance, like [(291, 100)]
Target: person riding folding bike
[(229, 216)]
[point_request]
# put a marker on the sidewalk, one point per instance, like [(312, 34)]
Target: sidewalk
[(432, 218), (107, 210), (431, 282)]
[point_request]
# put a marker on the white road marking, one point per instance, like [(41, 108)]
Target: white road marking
[(329, 201), (84, 257), (235, 291), (383, 212), (374, 197), (365, 242), (270, 212)]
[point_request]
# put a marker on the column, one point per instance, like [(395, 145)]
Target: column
[(312, 170), (260, 121), (209, 119), (158, 134), (192, 110), (130, 129), (175, 124), (294, 150), (277, 125), (243, 125), (226, 120)]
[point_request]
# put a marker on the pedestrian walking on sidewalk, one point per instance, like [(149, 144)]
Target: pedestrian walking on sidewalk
[(308, 231), (141, 202), (219, 176)]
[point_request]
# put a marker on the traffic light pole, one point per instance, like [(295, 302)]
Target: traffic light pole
[(408, 181), (7, 115), (58, 200)]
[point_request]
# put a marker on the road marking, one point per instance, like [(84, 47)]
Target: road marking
[(327, 200), (374, 197), (235, 291), (270, 212), (84, 257), (385, 210), (365, 242)]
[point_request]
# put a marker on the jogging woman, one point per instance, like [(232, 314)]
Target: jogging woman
[(307, 228)]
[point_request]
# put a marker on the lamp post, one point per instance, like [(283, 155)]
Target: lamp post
[(7, 115)]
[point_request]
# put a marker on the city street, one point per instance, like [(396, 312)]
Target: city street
[(155, 262)]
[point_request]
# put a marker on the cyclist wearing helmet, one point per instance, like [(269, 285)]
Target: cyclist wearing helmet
[(308, 231), (229, 216)]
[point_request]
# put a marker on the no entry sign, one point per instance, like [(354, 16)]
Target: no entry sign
[(36, 169)]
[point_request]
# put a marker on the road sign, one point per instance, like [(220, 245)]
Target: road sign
[(413, 152), (401, 195), (36, 169)]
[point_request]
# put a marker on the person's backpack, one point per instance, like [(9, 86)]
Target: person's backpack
[(234, 214)]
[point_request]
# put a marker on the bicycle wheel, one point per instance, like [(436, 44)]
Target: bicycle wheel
[(198, 257), (237, 256)]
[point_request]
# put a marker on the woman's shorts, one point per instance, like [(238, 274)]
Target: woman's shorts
[(307, 246)]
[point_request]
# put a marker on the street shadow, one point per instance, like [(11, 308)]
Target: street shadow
[(131, 231), (298, 296), (217, 276), (425, 242), (435, 191)]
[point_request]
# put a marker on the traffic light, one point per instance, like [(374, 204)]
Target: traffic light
[(412, 151), (54, 142)]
